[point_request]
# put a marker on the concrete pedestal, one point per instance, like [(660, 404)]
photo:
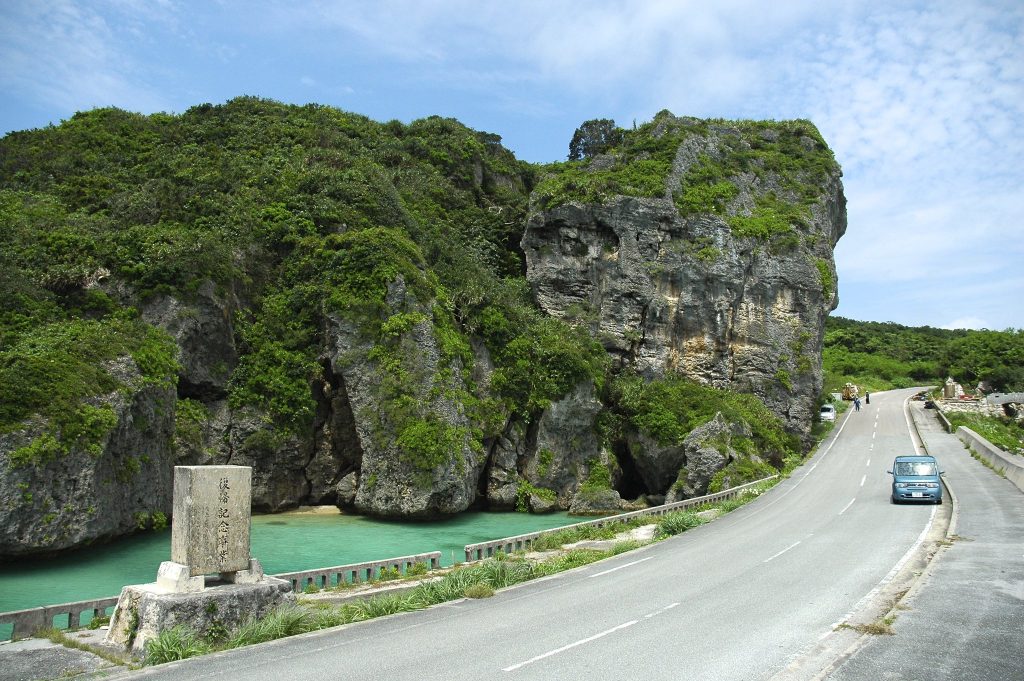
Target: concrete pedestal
[(145, 610)]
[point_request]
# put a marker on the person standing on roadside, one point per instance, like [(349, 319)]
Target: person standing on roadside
[(856, 404), (867, 398)]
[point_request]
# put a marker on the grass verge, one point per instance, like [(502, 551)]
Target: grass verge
[(475, 580)]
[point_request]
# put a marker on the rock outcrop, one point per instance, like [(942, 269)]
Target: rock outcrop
[(203, 329), (669, 293), (415, 454), (693, 249), (112, 487)]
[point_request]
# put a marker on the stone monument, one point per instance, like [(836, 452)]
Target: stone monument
[(211, 584)]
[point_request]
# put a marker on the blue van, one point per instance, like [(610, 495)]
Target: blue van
[(916, 478)]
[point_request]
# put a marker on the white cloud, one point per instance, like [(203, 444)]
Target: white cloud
[(922, 102), (966, 323), (68, 56)]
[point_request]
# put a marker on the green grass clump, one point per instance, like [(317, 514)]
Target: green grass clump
[(1005, 433), (282, 622), (677, 522), (828, 283), (524, 490), (177, 643), (479, 590)]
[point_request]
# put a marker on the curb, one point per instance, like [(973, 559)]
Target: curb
[(917, 582)]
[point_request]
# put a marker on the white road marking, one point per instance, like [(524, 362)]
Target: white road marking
[(620, 567), (658, 612), (570, 646), (791, 546), (889, 577), (868, 464), (848, 505), (862, 480)]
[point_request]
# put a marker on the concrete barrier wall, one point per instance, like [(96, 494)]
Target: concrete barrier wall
[(1010, 465), (27, 622), (523, 542), (324, 578)]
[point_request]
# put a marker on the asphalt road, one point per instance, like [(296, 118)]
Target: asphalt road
[(964, 619), (756, 594)]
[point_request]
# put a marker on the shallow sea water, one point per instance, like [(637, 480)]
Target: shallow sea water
[(283, 543)]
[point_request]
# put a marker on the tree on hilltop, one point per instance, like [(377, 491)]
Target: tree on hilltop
[(594, 137)]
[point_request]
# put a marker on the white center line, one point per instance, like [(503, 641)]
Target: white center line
[(571, 645), (658, 612), (620, 567), (848, 506), (862, 480), (794, 545), (868, 464)]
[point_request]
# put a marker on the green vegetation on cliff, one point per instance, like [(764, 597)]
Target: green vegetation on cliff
[(668, 410), (305, 213), (880, 356), (314, 224), (789, 159)]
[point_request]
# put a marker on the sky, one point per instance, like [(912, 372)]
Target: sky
[(921, 102)]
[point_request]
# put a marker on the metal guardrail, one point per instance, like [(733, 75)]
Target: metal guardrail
[(523, 542)]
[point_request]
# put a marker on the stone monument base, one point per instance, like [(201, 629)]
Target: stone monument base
[(145, 610)]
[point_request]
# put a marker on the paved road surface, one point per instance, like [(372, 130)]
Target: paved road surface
[(754, 594), (965, 619)]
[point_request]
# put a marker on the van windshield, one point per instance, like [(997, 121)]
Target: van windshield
[(915, 468)]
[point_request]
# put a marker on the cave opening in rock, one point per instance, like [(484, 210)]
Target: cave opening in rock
[(629, 485)]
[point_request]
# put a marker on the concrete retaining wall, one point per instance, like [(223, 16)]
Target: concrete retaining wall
[(1010, 465)]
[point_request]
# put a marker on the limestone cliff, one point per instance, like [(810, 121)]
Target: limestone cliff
[(724, 273), (102, 488), (405, 321)]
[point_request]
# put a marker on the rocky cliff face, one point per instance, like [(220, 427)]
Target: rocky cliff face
[(110, 488), (693, 249), (413, 460), (671, 291)]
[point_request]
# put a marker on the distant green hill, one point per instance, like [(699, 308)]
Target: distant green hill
[(879, 356)]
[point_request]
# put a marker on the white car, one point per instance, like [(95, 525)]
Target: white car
[(828, 412)]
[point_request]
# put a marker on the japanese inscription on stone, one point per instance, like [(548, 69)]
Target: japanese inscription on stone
[(210, 526)]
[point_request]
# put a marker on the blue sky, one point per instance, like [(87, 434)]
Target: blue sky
[(922, 102)]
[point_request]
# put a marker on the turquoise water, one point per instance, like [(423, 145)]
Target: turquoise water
[(282, 543)]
